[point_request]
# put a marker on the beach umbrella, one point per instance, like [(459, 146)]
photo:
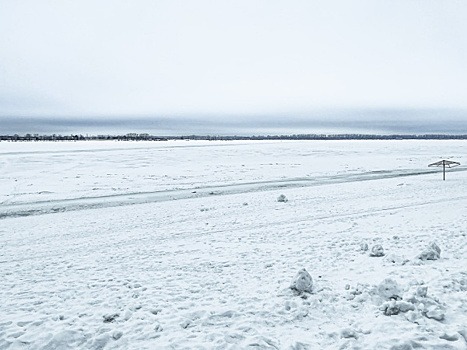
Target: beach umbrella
[(445, 163)]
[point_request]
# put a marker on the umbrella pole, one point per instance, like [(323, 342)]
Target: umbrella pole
[(444, 170)]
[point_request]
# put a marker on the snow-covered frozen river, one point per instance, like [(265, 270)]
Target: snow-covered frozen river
[(183, 245)]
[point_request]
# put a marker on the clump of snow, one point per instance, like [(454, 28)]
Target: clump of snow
[(435, 312), (117, 335), (364, 246), (394, 307), (422, 291), (389, 289), (348, 333), (432, 252), (302, 282), (396, 259), (356, 293), (282, 198), (414, 303), (377, 250)]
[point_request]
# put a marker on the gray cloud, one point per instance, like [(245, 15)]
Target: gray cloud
[(221, 58), (379, 121)]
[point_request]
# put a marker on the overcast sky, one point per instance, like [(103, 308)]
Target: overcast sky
[(220, 58)]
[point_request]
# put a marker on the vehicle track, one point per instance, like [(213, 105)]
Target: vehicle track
[(85, 203)]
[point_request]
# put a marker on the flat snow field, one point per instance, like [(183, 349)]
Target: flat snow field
[(184, 245)]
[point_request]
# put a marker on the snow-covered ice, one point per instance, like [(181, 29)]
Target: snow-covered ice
[(184, 245)]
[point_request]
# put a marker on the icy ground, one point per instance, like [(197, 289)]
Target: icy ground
[(187, 245)]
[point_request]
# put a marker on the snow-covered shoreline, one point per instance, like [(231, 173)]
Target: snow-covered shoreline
[(214, 271)]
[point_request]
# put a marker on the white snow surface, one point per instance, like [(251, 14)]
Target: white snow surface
[(183, 245)]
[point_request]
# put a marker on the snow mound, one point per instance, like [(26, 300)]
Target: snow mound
[(282, 198), (389, 289), (414, 303), (302, 282), (432, 252), (377, 250)]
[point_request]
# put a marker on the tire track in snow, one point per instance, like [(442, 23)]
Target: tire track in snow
[(181, 235), (85, 203)]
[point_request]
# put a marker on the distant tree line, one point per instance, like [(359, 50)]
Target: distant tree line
[(329, 137), (147, 137), (76, 137)]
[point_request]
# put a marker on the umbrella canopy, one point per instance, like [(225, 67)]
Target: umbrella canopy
[(448, 163)]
